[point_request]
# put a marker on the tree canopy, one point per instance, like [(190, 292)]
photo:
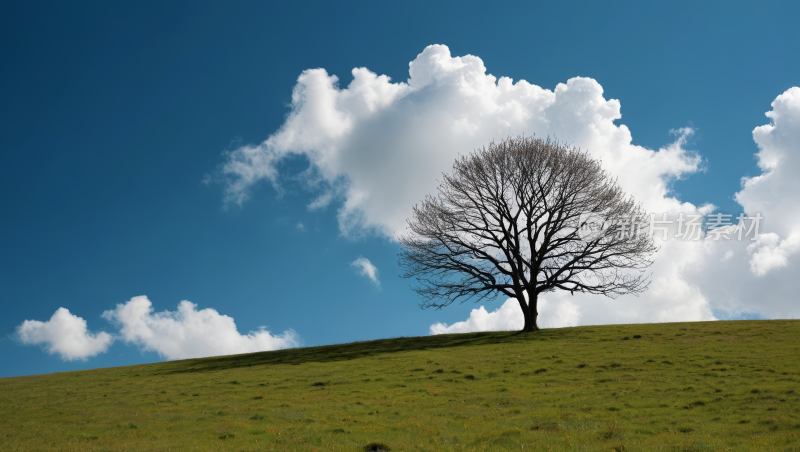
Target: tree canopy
[(512, 219)]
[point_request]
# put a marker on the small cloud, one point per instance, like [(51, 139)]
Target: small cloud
[(706, 208), (508, 317), (189, 332), (505, 318), (322, 201), (301, 227), (365, 268), (64, 334), (682, 133), (769, 252)]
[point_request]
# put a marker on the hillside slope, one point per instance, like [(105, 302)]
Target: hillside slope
[(678, 386)]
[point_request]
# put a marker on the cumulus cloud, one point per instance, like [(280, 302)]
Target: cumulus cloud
[(774, 192), (376, 147), (64, 334), (365, 268), (380, 146), (507, 317), (770, 252), (190, 333)]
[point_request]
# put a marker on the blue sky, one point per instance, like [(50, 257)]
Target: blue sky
[(118, 122)]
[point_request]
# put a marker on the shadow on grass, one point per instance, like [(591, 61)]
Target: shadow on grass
[(353, 350)]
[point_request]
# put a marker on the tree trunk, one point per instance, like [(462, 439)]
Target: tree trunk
[(531, 313)]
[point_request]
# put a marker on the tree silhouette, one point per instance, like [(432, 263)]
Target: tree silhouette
[(520, 218)]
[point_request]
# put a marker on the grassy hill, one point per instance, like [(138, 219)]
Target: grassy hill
[(683, 386)]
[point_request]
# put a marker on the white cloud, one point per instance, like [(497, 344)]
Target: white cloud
[(774, 192), (507, 317), (365, 268), (759, 276), (770, 252), (64, 334), (189, 333), (376, 148), (380, 146)]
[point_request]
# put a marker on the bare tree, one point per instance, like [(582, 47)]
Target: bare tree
[(511, 219)]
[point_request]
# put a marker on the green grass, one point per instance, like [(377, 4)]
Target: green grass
[(713, 386)]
